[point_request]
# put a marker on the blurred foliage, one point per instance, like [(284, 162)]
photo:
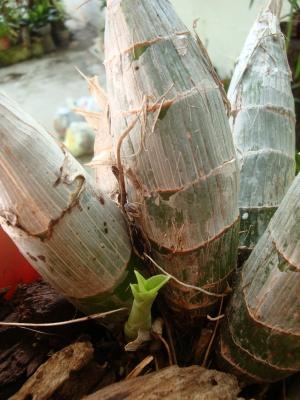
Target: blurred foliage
[(7, 29), (42, 13), (297, 163), (31, 13)]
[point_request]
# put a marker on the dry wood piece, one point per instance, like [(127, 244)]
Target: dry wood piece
[(173, 383), (53, 374), (23, 350)]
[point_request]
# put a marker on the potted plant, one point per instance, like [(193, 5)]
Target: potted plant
[(18, 15), (4, 34), (7, 33), (39, 15), (38, 18), (57, 16)]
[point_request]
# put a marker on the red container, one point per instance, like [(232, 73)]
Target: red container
[(14, 268)]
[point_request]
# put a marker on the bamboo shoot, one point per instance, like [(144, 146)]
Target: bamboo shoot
[(263, 124), (260, 340), (74, 235), (178, 159)]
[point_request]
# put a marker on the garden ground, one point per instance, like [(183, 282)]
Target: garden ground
[(42, 85)]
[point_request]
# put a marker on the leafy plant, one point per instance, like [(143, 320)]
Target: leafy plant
[(7, 29), (58, 13), (4, 28), (294, 9), (18, 14), (40, 14), (34, 15)]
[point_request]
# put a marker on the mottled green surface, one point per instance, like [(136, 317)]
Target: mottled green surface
[(121, 296), (219, 261), (253, 224), (19, 53), (260, 336)]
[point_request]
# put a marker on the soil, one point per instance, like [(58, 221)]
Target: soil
[(45, 84), (24, 350)]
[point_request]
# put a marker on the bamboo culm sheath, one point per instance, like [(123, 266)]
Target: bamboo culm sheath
[(74, 235)]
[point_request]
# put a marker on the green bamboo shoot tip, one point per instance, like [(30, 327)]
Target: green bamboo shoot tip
[(144, 293)]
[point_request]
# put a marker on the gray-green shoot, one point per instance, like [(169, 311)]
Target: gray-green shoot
[(144, 293)]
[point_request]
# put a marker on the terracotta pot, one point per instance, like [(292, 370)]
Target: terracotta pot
[(14, 269), (4, 43)]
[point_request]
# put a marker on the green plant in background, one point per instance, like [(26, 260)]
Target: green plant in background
[(4, 27), (32, 16), (297, 163), (40, 14), (8, 33), (144, 293), (8, 26), (16, 15), (33, 28), (59, 13), (102, 4), (294, 9), (14, 12)]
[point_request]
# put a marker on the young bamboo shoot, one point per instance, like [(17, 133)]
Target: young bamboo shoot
[(260, 339), (178, 159), (263, 124), (71, 233)]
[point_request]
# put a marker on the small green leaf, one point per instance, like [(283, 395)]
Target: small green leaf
[(138, 50), (144, 293)]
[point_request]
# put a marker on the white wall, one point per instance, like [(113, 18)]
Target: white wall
[(85, 12), (222, 26)]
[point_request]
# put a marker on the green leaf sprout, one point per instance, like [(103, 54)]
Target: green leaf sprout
[(144, 293)]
